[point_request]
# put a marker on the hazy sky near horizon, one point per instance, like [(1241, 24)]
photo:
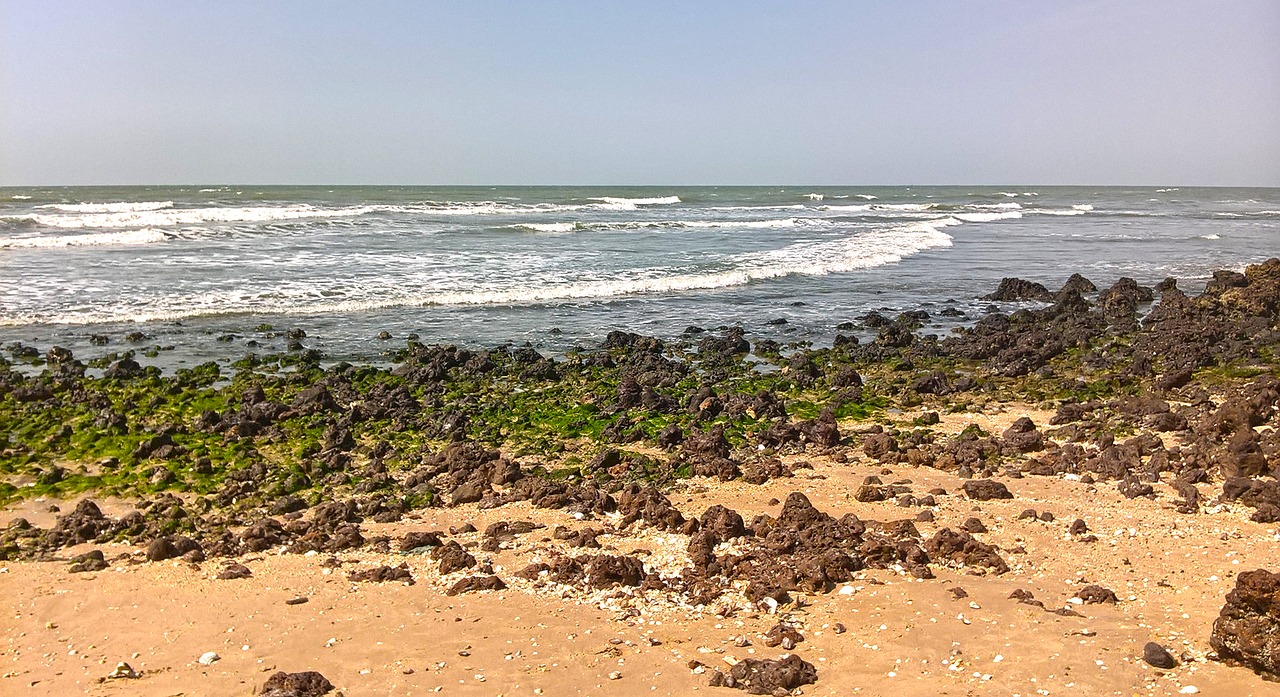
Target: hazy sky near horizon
[(597, 92)]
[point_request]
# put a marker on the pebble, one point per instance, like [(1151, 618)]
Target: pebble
[(615, 675), (209, 658), (123, 670), (1156, 655), (1189, 690)]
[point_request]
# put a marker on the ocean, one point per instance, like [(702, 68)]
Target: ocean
[(199, 270)]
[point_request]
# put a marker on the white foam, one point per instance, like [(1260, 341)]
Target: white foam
[(563, 227), (814, 197), (1210, 237), (1010, 194), (987, 217), (122, 207), (792, 207), (547, 227), (867, 197), (1082, 207), (880, 208), (102, 239), (752, 224), (20, 197), (903, 206), (861, 250), (1163, 191), (656, 201), (1056, 211), (192, 216)]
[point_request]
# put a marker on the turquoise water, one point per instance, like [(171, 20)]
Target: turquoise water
[(557, 266)]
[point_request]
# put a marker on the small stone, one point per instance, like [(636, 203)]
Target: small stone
[(234, 571), (209, 658), (615, 675), (1189, 690), (1157, 656), (123, 670), (296, 601)]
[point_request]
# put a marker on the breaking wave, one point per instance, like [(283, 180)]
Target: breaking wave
[(656, 201), (109, 207), (860, 251), (563, 227), (104, 239)]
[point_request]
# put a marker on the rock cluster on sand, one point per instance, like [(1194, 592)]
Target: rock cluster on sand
[(1177, 408)]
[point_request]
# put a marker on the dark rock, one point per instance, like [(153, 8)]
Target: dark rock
[(767, 677), (476, 583), (383, 574), (1247, 630), (453, 557), (1096, 595), (1022, 436), (1078, 284), (92, 560), (606, 571), (962, 549), (986, 490), (234, 571), (308, 684), (1013, 289), (1157, 656), (161, 549), (880, 446)]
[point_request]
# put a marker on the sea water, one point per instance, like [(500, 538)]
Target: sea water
[(201, 268)]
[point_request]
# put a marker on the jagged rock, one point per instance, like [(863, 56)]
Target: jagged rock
[(768, 677), (307, 684), (1013, 289), (476, 583), (985, 490), (1247, 630)]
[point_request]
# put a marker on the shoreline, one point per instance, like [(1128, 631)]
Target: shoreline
[(706, 483)]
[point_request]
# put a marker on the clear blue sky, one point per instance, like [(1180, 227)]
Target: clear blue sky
[(645, 92)]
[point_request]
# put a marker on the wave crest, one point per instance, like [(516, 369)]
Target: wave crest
[(103, 239), (123, 207), (862, 250)]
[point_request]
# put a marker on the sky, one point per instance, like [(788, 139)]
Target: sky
[(703, 92)]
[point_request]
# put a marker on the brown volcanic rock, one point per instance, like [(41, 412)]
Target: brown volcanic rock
[(381, 574), (948, 545), (1012, 289), (986, 490), (308, 684), (768, 677), (476, 583), (1247, 630)]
